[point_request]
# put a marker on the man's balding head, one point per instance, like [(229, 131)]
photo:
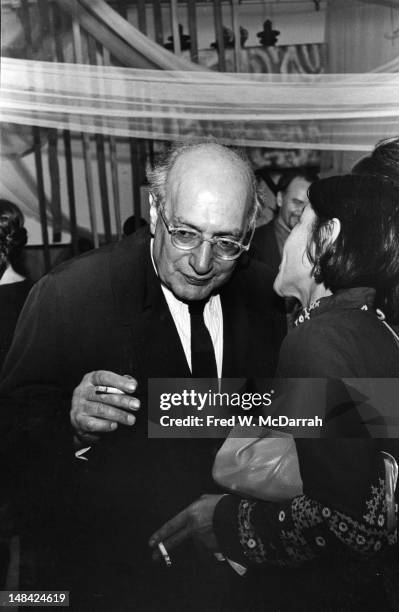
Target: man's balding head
[(209, 156)]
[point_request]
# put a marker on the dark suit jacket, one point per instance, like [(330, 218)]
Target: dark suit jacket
[(264, 246), (106, 310)]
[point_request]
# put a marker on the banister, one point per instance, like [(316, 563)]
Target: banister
[(125, 42)]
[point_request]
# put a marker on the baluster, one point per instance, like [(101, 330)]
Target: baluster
[(135, 156), (52, 133), (136, 144), (174, 19), (157, 8), (37, 146), (218, 19), (25, 18), (44, 22), (24, 15), (192, 28), (77, 42), (54, 171), (142, 16), (235, 7), (142, 23), (114, 167), (57, 22), (102, 168)]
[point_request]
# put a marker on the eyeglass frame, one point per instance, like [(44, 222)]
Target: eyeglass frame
[(172, 228)]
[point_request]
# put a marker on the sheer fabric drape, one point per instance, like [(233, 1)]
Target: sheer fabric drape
[(326, 111)]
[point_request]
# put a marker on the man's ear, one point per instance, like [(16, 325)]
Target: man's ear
[(279, 199), (153, 213)]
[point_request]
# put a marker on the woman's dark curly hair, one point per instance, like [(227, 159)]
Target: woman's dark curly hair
[(383, 161), (13, 235), (366, 252)]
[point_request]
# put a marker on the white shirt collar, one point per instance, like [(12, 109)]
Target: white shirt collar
[(213, 317)]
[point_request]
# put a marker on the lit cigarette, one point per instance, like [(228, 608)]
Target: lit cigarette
[(165, 554), (104, 389)]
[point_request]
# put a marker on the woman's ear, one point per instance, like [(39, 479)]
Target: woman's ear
[(330, 232), (153, 213), (334, 227)]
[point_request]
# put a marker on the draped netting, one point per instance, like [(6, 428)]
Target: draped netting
[(325, 111)]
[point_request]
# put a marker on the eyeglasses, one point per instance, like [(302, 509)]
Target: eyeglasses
[(188, 239)]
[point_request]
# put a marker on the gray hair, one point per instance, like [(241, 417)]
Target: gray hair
[(158, 176)]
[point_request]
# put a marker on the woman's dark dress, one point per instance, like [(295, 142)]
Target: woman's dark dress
[(325, 542), (12, 298)]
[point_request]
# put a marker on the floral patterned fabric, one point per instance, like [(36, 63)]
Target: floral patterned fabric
[(302, 529)]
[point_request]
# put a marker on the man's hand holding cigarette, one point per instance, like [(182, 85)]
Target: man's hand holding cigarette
[(101, 402)]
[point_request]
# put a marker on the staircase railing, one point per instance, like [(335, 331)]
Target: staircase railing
[(129, 33)]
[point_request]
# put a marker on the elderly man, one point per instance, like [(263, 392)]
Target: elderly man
[(176, 304), (291, 199)]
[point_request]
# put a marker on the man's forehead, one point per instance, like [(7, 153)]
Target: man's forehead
[(224, 180), (208, 159), (206, 207), (210, 206), (298, 184)]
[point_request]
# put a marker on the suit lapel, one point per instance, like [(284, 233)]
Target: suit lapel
[(247, 302), (163, 352), (153, 347)]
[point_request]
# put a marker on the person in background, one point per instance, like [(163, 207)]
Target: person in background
[(129, 225), (14, 287), (268, 241), (326, 548), (266, 180)]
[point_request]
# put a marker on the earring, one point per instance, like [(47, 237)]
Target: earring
[(316, 271)]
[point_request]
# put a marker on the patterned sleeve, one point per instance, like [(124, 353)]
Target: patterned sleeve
[(290, 533)]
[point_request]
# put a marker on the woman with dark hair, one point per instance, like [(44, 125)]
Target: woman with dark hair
[(324, 549), (383, 161), (342, 262), (14, 287), (353, 241)]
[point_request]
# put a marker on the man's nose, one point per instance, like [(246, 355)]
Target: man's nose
[(201, 258)]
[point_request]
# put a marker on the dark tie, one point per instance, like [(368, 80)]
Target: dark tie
[(203, 362)]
